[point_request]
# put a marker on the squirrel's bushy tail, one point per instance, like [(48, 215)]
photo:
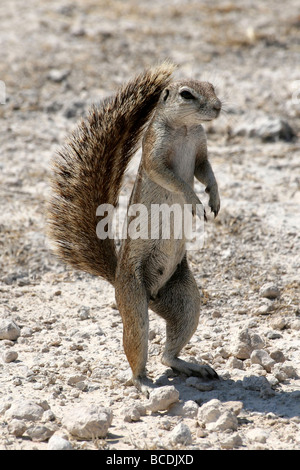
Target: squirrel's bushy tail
[(89, 171)]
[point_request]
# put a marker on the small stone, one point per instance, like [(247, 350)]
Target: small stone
[(257, 435), (17, 427), (48, 415), (256, 341), (259, 383), (216, 314), (59, 443), (9, 330), (4, 406), (270, 291), (266, 391), (279, 323), (272, 380), (277, 355), (39, 432), (75, 379), (235, 363), (226, 421), (245, 343), (218, 416), (284, 371), (58, 76), (24, 410), (209, 412), (232, 441), (162, 398), (224, 353), (84, 312), (81, 386), (38, 386), (9, 356), (264, 309), (253, 382), (199, 384), (181, 434), (17, 381), (165, 423), (201, 433), (259, 356), (26, 332), (234, 406), (273, 335), (295, 325), (44, 404), (88, 422), (131, 413), (188, 409)]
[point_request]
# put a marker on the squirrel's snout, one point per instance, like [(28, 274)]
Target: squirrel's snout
[(217, 105)]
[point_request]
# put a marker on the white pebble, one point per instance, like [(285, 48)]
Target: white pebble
[(232, 441), (210, 411), (188, 409), (9, 356), (162, 398), (270, 291), (24, 409), (17, 427), (259, 356), (257, 435), (88, 422), (227, 421), (284, 371), (181, 434), (59, 443), (245, 343), (218, 416), (9, 330), (235, 363), (131, 413), (199, 384), (39, 432)]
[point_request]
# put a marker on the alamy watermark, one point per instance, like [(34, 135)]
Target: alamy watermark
[(2, 92), (152, 222), (296, 92)]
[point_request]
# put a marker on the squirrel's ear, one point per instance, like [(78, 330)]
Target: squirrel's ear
[(165, 94)]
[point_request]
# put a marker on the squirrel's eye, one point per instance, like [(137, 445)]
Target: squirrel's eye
[(187, 95)]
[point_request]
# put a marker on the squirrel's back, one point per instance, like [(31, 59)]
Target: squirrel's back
[(89, 171)]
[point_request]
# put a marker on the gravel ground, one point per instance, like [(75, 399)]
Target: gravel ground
[(61, 334)]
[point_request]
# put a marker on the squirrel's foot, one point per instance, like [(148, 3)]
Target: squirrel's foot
[(143, 384), (214, 199), (189, 368)]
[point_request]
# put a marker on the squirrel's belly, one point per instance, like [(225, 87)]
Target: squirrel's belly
[(168, 247), (163, 259)]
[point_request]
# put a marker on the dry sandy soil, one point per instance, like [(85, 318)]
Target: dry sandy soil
[(56, 59)]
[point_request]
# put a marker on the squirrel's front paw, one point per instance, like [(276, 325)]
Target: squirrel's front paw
[(197, 207), (214, 200), (200, 211)]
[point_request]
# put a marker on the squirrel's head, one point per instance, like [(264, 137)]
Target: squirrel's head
[(190, 102)]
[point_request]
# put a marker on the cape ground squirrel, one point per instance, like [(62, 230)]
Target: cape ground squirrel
[(88, 172)]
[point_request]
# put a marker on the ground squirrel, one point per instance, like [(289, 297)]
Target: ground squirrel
[(89, 172)]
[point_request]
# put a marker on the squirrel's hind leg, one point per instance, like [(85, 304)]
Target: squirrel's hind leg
[(178, 303), (132, 302)]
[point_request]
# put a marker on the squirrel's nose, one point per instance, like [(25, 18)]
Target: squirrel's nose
[(217, 105)]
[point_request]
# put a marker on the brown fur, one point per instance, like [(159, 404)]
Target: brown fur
[(89, 172)]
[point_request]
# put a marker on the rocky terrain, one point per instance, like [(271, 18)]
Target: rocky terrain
[(62, 365)]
